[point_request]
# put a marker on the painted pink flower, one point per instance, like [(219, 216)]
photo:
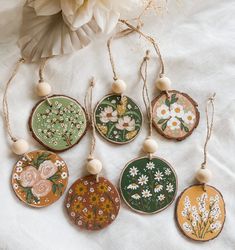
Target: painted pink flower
[(29, 176), (47, 169), (42, 188)]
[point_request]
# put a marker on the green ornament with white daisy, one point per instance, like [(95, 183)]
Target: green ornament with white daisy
[(118, 119), (148, 185)]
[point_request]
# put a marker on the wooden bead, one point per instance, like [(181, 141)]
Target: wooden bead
[(43, 89), (20, 147), (150, 146), (119, 86), (203, 175), (94, 166), (163, 83)]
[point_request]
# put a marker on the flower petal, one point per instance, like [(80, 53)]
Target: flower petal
[(46, 7)]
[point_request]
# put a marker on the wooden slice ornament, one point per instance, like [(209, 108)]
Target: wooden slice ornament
[(148, 184), (175, 115), (58, 122), (200, 213), (40, 178), (92, 202), (200, 209), (118, 119)]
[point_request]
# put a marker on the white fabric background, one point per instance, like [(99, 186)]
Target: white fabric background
[(198, 42)]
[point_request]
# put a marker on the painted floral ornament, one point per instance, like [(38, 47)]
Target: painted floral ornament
[(118, 119), (40, 178), (200, 214), (92, 205), (200, 209), (58, 122), (175, 115), (148, 185), (92, 202)]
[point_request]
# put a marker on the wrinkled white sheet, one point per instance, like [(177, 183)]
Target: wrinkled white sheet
[(197, 42)]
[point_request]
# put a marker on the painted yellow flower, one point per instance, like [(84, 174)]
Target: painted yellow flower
[(89, 216), (77, 206), (101, 219), (121, 108), (102, 188), (102, 129), (94, 199), (80, 189), (131, 134), (107, 206)]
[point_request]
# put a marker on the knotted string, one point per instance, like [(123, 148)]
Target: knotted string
[(88, 101), (145, 93), (209, 123), (6, 114), (41, 75)]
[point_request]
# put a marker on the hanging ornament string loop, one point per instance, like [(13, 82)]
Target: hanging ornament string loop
[(149, 146), (19, 146), (94, 166)]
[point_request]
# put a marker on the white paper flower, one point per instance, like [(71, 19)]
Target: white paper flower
[(163, 112), (173, 123), (189, 117), (177, 110)]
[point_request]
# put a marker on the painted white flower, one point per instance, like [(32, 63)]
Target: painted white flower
[(169, 188), (146, 193), (167, 171), (108, 114), (143, 179), (79, 222), (187, 227), (150, 165), (126, 123), (158, 175), (133, 171), (173, 123), (64, 175), (163, 112), (177, 110), (161, 197), (19, 163), (19, 169), (15, 176), (136, 196), (133, 186), (92, 190), (189, 117), (216, 226), (158, 188), (100, 212), (15, 186)]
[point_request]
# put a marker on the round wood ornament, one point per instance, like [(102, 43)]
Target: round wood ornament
[(118, 119), (92, 205), (200, 213), (39, 179), (58, 122), (175, 115), (148, 186)]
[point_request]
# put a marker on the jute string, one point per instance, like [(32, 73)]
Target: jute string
[(6, 114)]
